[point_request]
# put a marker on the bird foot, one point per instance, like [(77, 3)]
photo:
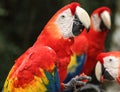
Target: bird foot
[(77, 82)]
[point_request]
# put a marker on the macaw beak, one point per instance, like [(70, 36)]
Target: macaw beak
[(98, 72), (81, 20), (105, 21), (101, 73)]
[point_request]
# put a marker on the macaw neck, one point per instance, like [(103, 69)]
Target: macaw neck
[(96, 37), (57, 43)]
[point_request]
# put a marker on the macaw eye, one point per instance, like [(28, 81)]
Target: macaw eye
[(110, 60), (62, 16)]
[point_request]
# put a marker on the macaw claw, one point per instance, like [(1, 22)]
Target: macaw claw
[(83, 78), (73, 82), (77, 82)]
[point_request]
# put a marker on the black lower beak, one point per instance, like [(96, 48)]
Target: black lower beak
[(106, 74), (103, 27), (78, 27)]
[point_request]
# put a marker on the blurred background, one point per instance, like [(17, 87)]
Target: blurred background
[(21, 21)]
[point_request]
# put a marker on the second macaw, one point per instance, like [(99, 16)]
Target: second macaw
[(42, 68), (107, 70), (88, 45)]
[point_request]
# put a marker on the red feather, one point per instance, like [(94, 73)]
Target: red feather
[(96, 42)]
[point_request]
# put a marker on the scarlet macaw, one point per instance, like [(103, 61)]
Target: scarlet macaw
[(43, 66), (101, 24), (107, 70), (88, 45)]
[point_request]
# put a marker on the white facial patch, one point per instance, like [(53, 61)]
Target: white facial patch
[(65, 23), (111, 64), (96, 22)]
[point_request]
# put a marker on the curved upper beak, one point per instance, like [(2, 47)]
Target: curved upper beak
[(98, 71), (81, 20), (105, 16)]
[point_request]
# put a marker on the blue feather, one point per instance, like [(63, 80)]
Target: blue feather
[(77, 69), (54, 81)]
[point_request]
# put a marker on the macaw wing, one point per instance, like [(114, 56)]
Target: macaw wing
[(79, 57), (75, 67), (34, 71)]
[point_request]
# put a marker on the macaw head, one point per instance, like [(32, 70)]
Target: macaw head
[(100, 19), (69, 21), (108, 66)]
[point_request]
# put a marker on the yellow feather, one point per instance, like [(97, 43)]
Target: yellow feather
[(72, 64), (36, 85)]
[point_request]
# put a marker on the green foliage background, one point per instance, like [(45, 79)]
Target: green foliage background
[(21, 21)]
